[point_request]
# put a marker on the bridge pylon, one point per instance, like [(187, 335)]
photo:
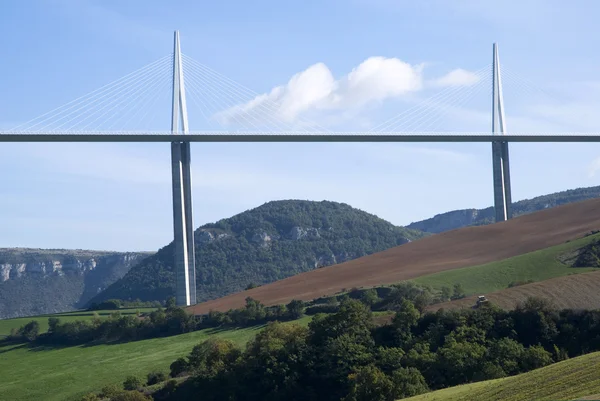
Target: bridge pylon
[(183, 222), (500, 159)]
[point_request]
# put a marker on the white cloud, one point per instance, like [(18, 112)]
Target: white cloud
[(457, 77), (315, 91)]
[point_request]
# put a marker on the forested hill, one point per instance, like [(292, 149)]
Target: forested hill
[(478, 217), (271, 242)]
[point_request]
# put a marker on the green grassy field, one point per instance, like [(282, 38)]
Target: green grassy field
[(567, 380), (68, 373), (537, 266), (7, 324)]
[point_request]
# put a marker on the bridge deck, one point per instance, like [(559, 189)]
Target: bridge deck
[(293, 137)]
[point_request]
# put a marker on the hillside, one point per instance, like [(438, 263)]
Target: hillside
[(269, 243), (477, 217), (577, 291), (39, 281), (89, 368), (468, 246), (567, 380), (540, 265)]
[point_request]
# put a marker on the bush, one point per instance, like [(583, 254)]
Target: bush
[(323, 308), (130, 396), (178, 367), (156, 377), (111, 304), (30, 331), (110, 391), (90, 397), (132, 383)]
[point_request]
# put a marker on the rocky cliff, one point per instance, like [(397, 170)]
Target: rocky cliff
[(38, 281)]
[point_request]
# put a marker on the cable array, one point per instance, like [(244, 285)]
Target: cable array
[(228, 105), (217, 103), (126, 103), (427, 115)]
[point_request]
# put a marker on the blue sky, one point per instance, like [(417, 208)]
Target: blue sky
[(117, 196)]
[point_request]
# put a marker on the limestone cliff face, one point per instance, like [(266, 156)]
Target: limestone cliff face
[(37, 281)]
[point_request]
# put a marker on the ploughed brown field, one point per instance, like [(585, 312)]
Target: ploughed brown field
[(578, 291), (464, 247)]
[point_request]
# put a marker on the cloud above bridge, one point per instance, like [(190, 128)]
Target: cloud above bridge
[(370, 83)]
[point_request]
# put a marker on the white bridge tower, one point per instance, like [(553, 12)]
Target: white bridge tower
[(183, 222), (500, 162)]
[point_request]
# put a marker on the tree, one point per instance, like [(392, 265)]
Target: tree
[(132, 383), (370, 384), (445, 294), (130, 396), (171, 303), (178, 367), (212, 356), (407, 382), (507, 354), (110, 391), (458, 292), (370, 297), (53, 323), (156, 377), (535, 357), (31, 330), (405, 319), (250, 286)]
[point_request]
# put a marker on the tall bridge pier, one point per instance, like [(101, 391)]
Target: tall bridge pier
[(183, 222), (500, 159)]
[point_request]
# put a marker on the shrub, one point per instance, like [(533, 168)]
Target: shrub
[(110, 391), (178, 367), (323, 308), (130, 396), (132, 383), (30, 331), (90, 397), (156, 377)]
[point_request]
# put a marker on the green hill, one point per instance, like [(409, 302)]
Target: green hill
[(271, 242), (477, 217), (567, 380)]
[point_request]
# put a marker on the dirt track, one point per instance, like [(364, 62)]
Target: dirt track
[(450, 250), (579, 291)]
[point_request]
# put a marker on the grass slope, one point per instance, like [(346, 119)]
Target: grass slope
[(68, 373), (567, 380), (536, 266), (577, 291)]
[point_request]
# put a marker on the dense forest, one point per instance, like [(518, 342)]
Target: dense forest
[(346, 356), (274, 241)]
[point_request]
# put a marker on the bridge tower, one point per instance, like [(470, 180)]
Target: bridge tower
[(185, 260), (500, 160)]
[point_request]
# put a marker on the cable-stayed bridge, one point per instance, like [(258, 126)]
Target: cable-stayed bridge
[(131, 108)]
